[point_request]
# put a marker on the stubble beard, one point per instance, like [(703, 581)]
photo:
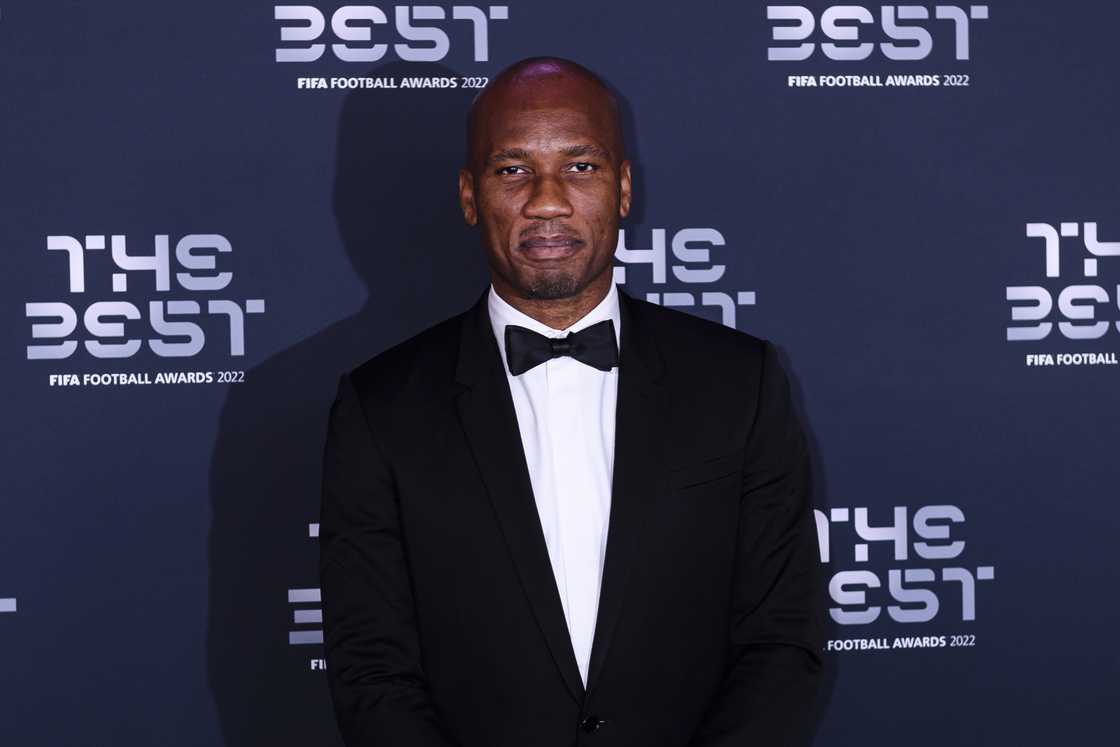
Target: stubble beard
[(552, 286)]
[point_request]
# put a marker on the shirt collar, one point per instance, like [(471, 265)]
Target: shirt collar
[(502, 313)]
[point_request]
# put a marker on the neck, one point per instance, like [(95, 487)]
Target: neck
[(558, 313)]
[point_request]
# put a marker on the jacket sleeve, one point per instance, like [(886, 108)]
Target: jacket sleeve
[(377, 685), (774, 671)]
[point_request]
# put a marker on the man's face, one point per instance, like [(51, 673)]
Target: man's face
[(547, 186)]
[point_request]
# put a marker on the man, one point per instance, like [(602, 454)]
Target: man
[(566, 516)]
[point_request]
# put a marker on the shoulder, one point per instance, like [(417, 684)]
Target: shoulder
[(420, 363), (682, 336), (722, 383)]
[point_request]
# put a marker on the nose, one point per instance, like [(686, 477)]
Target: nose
[(548, 199)]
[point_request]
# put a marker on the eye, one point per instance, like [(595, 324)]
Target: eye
[(583, 167), (505, 170)]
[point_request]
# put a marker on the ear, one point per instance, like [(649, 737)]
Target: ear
[(466, 197), (624, 189)]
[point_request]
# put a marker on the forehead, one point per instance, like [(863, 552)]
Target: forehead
[(545, 129), (545, 114)]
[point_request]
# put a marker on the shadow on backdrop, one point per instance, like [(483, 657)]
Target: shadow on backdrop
[(394, 198)]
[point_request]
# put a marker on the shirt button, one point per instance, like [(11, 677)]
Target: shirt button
[(591, 724)]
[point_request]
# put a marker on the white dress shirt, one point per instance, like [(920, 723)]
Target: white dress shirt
[(566, 415)]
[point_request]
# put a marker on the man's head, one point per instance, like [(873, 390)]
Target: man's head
[(546, 179)]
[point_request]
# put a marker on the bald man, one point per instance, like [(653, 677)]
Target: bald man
[(566, 516)]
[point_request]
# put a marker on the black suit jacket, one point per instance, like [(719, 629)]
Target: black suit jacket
[(443, 624)]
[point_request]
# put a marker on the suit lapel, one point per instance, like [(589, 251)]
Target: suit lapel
[(638, 469), (490, 422)]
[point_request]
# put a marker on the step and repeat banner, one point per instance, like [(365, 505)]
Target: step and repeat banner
[(211, 209)]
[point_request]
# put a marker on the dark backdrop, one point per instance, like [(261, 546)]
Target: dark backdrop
[(158, 566)]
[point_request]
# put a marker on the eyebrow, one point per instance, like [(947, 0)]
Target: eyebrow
[(509, 154), (576, 151), (572, 151)]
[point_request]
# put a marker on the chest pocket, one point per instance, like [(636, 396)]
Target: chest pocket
[(706, 471)]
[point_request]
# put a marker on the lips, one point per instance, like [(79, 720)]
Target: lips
[(550, 247)]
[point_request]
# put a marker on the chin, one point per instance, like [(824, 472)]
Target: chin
[(551, 291), (551, 286)]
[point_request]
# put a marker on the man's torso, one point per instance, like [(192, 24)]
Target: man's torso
[(497, 666)]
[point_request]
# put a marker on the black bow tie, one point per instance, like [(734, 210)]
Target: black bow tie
[(595, 345)]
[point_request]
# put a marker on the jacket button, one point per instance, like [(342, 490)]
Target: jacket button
[(591, 724)]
